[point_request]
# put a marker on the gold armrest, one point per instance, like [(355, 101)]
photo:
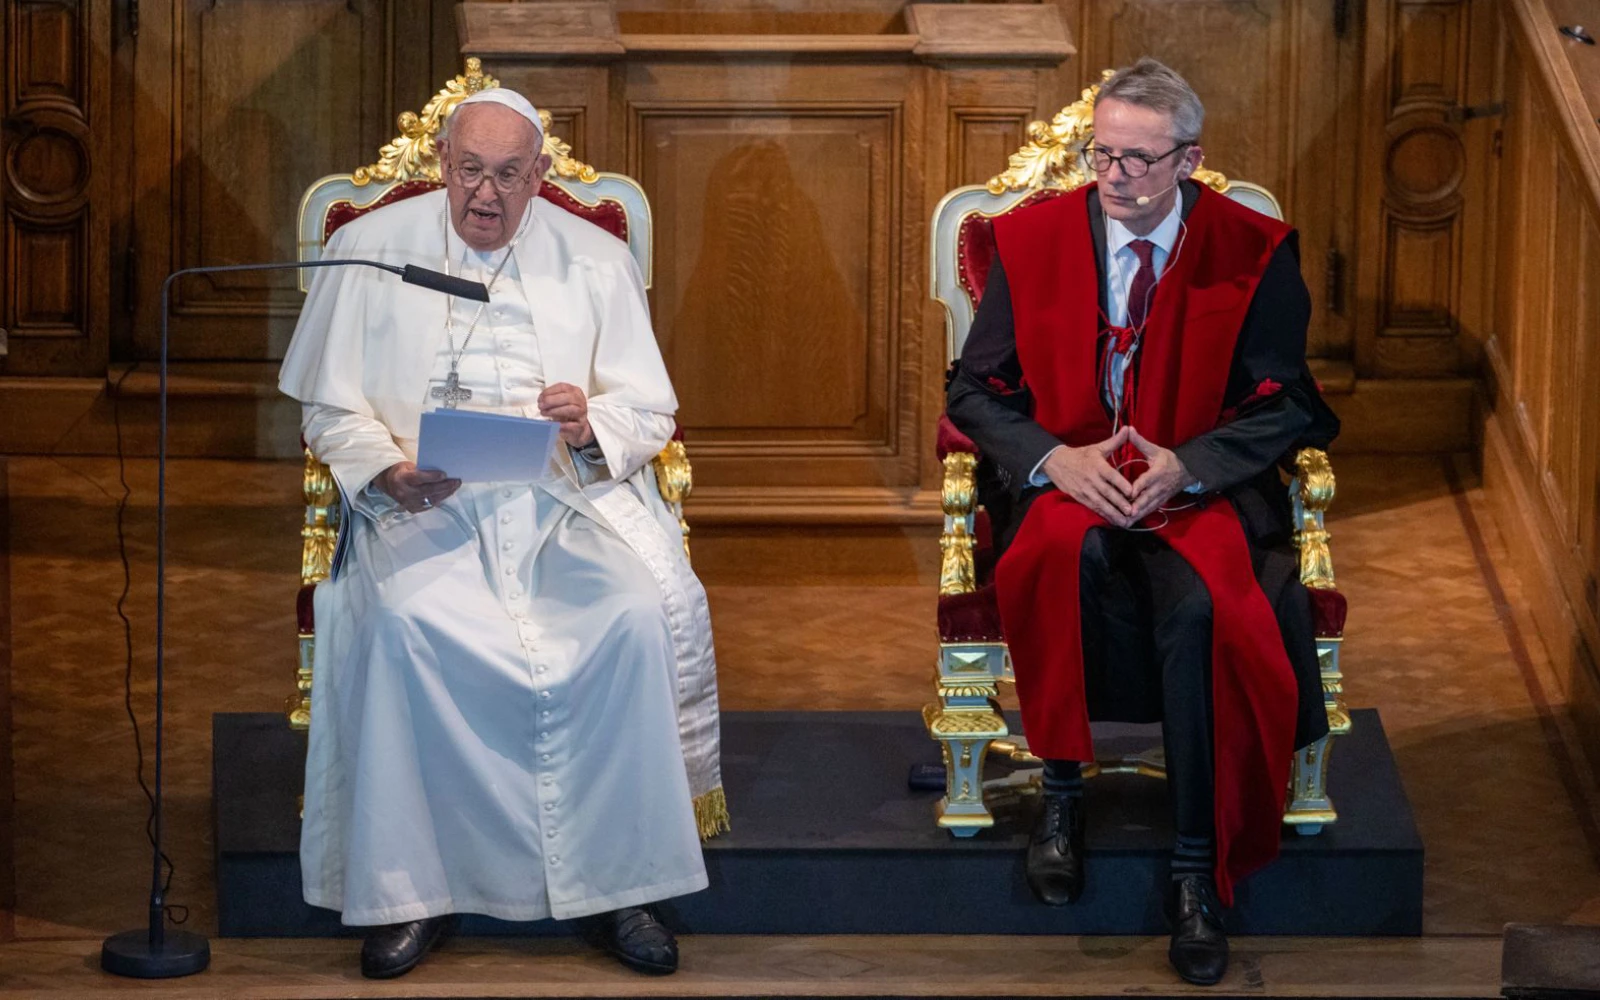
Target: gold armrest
[(959, 497), (675, 480), (320, 533), (1311, 494)]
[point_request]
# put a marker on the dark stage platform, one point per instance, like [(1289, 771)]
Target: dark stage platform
[(827, 840)]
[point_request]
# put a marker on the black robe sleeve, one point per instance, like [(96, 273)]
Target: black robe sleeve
[(987, 398), (1270, 388)]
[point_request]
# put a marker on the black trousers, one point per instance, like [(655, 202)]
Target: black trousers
[(1146, 623)]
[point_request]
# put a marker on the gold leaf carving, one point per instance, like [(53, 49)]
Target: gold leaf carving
[(412, 155)]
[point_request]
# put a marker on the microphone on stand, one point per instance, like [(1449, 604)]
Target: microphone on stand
[(151, 952)]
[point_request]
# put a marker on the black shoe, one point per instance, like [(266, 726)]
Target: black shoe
[(1199, 950), (636, 938), (395, 949), (1055, 852)]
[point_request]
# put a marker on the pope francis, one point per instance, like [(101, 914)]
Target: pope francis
[(514, 694)]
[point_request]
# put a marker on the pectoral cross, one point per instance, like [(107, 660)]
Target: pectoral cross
[(451, 392)]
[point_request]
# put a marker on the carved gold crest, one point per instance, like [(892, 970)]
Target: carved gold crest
[(411, 155)]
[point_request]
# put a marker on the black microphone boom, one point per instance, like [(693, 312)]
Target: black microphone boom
[(449, 284), (152, 953)]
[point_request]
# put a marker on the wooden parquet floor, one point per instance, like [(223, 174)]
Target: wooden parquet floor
[(1505, 807), (967, 966)]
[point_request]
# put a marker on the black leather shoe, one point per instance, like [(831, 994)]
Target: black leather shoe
[(1199, 950), (395, 949), (635, 938), (1055, 852)]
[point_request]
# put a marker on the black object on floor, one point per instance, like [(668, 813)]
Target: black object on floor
[(827, 840), (1550, 962)]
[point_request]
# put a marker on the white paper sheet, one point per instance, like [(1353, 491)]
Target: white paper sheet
[(486, 447)]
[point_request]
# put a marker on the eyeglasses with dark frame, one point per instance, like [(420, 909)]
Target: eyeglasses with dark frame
[(1134, 165), (506, 181)]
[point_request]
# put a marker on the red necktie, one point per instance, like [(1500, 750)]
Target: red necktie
[(1144, 282)]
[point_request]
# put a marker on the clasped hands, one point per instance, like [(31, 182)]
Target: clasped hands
[(418, 490), (1087, 476)]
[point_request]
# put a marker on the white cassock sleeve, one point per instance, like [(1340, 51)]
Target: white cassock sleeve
[(326, 369), (356, 448), (631, 408)]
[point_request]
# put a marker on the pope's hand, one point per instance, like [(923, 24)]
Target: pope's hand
[(568, 405), (416, 489), (1087, 476)]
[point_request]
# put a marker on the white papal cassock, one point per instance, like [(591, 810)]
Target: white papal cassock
[(514, 699)]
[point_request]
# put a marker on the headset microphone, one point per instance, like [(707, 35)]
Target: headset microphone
[(1146, 199)]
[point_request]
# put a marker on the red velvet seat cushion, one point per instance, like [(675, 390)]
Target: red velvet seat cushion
[(608, 215), (973, 617), (1328, 611)]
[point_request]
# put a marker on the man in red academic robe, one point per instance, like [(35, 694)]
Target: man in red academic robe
[(1134, 375)]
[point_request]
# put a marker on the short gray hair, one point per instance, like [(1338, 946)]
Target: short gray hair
[(1154, 85)]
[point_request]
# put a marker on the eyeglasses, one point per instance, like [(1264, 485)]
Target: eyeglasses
[(506, 181), (1133, 164)]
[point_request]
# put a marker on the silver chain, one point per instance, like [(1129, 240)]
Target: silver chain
[(450, 300)]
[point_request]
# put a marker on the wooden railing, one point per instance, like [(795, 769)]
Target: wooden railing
[(1541, 449)]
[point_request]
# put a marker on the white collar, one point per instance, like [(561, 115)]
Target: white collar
[(1165, 235)]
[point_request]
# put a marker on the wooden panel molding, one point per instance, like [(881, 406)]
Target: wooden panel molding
[(982, 139), (1427, 61), (775, 226), (1541, 460), (55, 254), (1418, 167), (243, 159)]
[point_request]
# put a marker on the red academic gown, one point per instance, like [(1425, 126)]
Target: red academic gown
[(1189, 339)]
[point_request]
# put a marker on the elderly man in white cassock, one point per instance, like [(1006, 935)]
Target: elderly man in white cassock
[(514, 695)]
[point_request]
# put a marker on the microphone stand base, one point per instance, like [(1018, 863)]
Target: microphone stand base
[(130, 954)]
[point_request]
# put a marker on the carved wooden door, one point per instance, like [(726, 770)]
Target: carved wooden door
[(54, 251)]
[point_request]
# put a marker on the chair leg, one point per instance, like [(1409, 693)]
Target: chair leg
[(298, 706), (1310, 807), (965, 721), (964, 738)]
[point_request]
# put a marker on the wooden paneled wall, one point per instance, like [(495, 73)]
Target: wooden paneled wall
[(793, 158), (1542, 443), (235, 107)]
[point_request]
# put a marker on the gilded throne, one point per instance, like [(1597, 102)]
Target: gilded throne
[(409, 165), (966, 719)]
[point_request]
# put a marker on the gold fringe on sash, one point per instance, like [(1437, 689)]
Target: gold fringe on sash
[(711, 813)]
